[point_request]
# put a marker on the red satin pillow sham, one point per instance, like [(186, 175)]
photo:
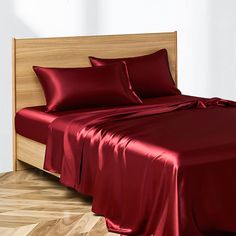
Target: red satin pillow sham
[(149, 74), (71, 88)]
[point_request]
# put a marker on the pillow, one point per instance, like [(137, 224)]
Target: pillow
[(70, 88), (149, 75)]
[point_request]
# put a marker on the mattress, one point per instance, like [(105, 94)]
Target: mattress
[(33, 122)]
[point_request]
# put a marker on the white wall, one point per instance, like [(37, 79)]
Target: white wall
[(222, 60), (206, 40)]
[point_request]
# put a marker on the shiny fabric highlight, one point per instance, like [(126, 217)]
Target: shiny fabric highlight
[(73, 88), (163, 170), (149, 74), (33, 122)]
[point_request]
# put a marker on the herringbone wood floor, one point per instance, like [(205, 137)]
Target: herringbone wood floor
[(35, 203)]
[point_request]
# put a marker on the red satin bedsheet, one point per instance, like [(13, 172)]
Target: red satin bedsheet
[(163, 170), (33, 122)]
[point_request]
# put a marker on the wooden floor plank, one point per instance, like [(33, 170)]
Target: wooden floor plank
[(35, 203)]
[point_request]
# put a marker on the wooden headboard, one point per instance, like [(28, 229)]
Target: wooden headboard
[(74, 52)]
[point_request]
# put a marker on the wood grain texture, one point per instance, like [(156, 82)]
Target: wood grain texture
[(71, 52), (30, 152), (34, 203), (14, 103)]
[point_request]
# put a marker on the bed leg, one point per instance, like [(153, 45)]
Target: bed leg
[(20, 165)]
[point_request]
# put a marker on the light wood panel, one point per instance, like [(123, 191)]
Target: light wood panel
[(71, 52), (13, 104), (34, 203), (30, 152)]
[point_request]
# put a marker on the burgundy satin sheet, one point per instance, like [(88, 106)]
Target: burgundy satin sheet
[(33, 122), (163, 170)]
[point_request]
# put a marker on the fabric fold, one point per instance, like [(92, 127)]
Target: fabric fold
[(153, 169)]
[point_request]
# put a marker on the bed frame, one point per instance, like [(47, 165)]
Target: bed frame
[(70, 52)]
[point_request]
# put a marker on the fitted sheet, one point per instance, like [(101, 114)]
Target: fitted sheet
[(33, 122)]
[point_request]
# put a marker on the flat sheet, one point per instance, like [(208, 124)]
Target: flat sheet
[(33, 122), (163, 170)]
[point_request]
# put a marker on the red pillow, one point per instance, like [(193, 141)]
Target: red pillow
[(70, 88), (149, 75)]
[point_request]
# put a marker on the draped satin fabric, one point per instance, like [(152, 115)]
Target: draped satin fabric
[(33, 122), (163, 170)]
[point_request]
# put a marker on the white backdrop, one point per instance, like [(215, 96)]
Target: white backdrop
[(206, 40)]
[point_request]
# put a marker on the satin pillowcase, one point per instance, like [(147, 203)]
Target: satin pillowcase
[(71, 88), (149, 75)]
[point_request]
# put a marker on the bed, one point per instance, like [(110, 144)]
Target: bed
[(164, 167), (69, 52)]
